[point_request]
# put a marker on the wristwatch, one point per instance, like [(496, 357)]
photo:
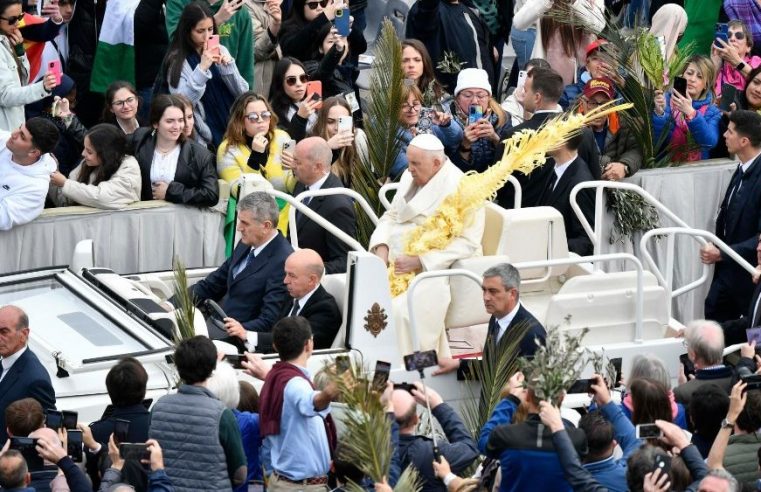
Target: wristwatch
[(726, 424), (740, 66)]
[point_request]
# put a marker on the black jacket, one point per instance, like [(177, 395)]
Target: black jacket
[(323, 314), (327, 71), (734, 330), (195, 182), (338, 209), (151, 41), (560, 199), (533, 184), (460, 450)]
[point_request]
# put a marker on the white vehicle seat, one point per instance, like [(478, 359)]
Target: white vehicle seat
[(604, 303), (335, 285)]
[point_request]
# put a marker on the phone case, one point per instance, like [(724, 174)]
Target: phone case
[(314, 87), (342, 22)]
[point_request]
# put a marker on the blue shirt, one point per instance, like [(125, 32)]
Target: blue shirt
[(301, 449)]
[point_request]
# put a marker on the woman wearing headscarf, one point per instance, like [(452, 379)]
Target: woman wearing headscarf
[(669, 21)]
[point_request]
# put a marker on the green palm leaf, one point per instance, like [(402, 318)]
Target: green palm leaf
[(185, 310)]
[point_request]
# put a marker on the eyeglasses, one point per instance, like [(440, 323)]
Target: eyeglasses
[(291, 80), (121, 103), (13, 20), (739, 35), (478, 95), (411, 107), (594, 104), (254, 117), (321, 3)]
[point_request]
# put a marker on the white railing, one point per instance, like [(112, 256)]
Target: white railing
[(386, 188), (699, 235)]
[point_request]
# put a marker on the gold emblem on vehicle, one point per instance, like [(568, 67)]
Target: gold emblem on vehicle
[(376, 320)]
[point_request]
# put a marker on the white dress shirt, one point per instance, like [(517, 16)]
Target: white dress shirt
[(505, 321), (8, 362), (560, 169), (164, 166)]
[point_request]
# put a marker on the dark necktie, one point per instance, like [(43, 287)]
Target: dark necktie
[(493, 332), (305, 202), (246, 261), (736, 184), (295, 308)]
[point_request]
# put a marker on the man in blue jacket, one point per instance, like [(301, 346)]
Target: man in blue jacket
[(605, 428)]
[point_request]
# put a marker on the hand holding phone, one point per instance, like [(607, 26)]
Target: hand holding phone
[(420, 360), (53, 419), (212, 44), (680, 86), (54, 67), (648, 431), (380, 377), (121, 429), (342, 22), (314, 92)]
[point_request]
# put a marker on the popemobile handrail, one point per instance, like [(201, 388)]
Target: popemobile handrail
[(395, 186), (638, 299)]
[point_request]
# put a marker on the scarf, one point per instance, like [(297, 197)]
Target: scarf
[(628, 403), (684, 146), (217, 100)]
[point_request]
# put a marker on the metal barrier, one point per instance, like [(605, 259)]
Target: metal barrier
[(697, 234)]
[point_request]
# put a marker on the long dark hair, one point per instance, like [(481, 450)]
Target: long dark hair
[(296, 18), (160, 104), (748, 80), (110, 147), (116, 86), (181, 45), (650, 401), (279, 100), (348, 155), (428, 75)]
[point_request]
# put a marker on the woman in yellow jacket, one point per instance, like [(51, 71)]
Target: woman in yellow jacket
[(253, 144)]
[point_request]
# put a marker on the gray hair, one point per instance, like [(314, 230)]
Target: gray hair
[(732, 484), (224, 384), (261, 205), (511, 278), (12, 475), (649, 366), (706, 339)]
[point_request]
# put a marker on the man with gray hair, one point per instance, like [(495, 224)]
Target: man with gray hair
[(705, 349), (719, 480), (249, 285), (311, 167), (508, 317), (430, 177)]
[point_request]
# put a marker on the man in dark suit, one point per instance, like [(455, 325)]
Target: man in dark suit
[(23, 376), (308, 299), (570, 170), (509, 319), (249, 285), (738, 223), (312, 169), (543, 89), (734, 330)]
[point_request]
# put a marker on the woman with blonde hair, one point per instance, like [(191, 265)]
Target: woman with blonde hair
[(349, 146)]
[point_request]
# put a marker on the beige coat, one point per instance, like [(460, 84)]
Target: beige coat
[(122, 189), (411, 207), (266, 52)]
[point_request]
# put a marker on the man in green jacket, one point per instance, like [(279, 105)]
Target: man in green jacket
[(233, 26)]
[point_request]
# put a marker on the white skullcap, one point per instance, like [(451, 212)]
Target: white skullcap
[(426, 141), (473, 78)]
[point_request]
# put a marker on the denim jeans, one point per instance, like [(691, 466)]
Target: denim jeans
[(523, 44)]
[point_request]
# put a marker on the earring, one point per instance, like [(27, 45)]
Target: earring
[(153, 133)]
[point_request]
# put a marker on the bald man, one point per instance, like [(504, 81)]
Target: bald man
[(311, 168), (459, 448), (307, 298), (430, 177), (23, 376)]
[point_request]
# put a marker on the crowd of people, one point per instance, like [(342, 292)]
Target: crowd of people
[(217, 89)]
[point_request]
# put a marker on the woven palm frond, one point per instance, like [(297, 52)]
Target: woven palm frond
[(185, 309), (524, 151)]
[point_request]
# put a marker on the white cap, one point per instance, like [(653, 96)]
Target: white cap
[(426, 141), (473, 78)]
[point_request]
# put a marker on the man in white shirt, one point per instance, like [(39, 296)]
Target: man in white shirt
[(23, 376), (25, 168)]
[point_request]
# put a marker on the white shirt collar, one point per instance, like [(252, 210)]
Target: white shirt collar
[(561, 168), (318, 184), (259, 249), (556, 109), (746, 165), (8, 362), (505, 321), (305, 298)]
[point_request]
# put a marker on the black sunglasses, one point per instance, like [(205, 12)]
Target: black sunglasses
[(321, 3), (13, 20), (291, 80)]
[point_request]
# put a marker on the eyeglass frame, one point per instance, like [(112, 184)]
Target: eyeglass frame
[(738, 35), (414, 107), (472, 96), (292, 79), (321, 3), (264, 115), (121, 103), (12, 21)]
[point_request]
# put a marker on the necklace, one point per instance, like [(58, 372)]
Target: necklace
[(167, 151)]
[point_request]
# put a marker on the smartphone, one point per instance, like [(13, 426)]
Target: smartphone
[(647, 431), (213, 43), (27, 446), (663, 463), (475, 113), (581, 386), (689, 367), (380, 377), (721, 33), (345, 124), (54, 67), (420, 360), (70, 419), (753, 382), (728, 94), (680, 85), (74, 445), (289, 146), (342, 22), (617, 366), (235, 360), (134, 451), (121, 429), (521, 79), (314, 92), (342, 363), (53, 419)]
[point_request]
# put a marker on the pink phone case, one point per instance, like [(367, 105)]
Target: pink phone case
[(213, 43), (54, 67)]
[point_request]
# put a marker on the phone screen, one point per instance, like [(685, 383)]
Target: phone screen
[(342, 364), (380, 378), (121, 429), (647, 431), (133, 451), (680, 85), (74, 445), (581, 386), (70, 419), (420, 360), (235, 360), (689, 367), (53, 419)]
